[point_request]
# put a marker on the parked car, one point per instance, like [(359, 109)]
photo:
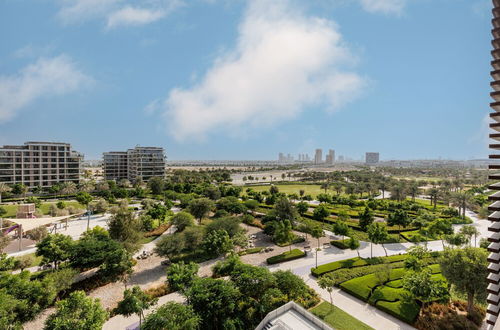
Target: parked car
[(166, 262)]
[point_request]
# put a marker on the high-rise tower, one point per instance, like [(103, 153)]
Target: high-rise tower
[(494, 247)]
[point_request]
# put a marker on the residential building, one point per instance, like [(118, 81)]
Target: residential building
[(330, 157), (139, 162), (292, 316), (318, 156), (493, 289), (39, 164), (372, 158), (115, 165)]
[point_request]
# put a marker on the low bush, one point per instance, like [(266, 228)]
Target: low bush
[(251, 251), (286, 256), (158, 230), (355, 262), (297, 239), (438, 316), (158, 291), (405, 310), (341, 244)]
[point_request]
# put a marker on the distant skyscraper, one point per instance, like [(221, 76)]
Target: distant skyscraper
[(318, 156), (330, 158), (281, 157), (372, 157)]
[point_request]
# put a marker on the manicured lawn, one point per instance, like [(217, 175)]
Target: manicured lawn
[(337, 318), (354, 262), (251, 251), (12, 209)]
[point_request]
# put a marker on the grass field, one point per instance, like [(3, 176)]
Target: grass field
[(310, 189), (337, 318), (12, 209)]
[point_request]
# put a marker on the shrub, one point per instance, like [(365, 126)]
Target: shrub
[(355, 262), (341, 244), (158, 230), (158, 291), (286, 256), (251, 251)]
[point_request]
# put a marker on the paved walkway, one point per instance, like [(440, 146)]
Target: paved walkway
[(132, 322)]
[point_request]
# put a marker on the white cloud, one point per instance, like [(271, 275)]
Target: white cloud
[(117, 12), (284, 62), (384, 6), (134, 16), (46, 77)]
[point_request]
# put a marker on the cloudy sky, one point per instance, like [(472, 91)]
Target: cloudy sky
[(235, 79)]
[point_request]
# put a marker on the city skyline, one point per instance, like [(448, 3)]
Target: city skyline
[(135, 92)]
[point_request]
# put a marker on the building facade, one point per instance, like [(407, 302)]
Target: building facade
[(115, 165), (318, 156), (372, 157), (139, 162), (39, 164), (330, 157), (494, 247)]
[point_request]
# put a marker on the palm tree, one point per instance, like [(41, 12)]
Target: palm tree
[(68, 188), (462, 200), (434, 195), (383, 185), (3, 189), (413, 190)]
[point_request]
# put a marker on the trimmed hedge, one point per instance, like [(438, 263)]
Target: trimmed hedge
[(251, 251), (355, 262), (286, 256), (341, 244)]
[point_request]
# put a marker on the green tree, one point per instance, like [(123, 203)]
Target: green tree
[(253, 281), (126, 228), (424, 288), (231, 204), (4, 188), (200, 207), (399, 218), (317, 232), (182, 220), (468, 231), (55, 248), (377, 233), (366, 218), (467, 270), (341, 228), (170, 245), (283, 233), (85, 198), (172, 316), (217, 242), (156, 185), (214, 300), (302, 207), (320, 213), (181, 275), (23, 262), (37, 234), (353, 244), (77, 312), (285, 210), (135, 301), (456, 239), (327, 283)]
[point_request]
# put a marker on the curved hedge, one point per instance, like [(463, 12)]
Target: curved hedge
[(354, 262), (286, 256)]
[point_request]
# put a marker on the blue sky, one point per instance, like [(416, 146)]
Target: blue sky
[(234, 79)]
